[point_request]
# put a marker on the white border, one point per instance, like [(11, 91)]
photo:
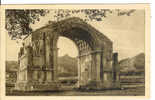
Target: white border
[(152, 68), (71, 1), (92, 98)]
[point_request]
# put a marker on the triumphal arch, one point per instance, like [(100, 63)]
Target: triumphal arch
[(97, 64)]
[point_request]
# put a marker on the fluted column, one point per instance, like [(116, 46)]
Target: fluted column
[(79, 71), (55, 64), (98, 62)]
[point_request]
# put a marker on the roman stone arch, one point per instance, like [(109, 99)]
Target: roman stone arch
[(97, 65)]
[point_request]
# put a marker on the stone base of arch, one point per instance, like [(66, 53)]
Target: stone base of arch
[(54, 86), (100, 85), (46, 81), (33, 86)]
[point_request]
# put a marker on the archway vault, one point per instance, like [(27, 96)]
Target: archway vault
[(96, 62)]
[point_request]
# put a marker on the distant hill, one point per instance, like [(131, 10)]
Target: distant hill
[(11, 65), (67, 66), (135, 64)]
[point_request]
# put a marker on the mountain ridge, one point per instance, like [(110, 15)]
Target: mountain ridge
[(136, 63)]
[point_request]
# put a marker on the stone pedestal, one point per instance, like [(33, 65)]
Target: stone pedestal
[(38, 80), (37, 86)]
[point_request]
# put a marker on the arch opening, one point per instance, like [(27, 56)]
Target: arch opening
[(72, 55), (85, 44), (67, 61)]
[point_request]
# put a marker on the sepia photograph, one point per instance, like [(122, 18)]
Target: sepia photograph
[(81, 51)]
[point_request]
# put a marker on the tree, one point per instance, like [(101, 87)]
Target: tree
[(18, 21)]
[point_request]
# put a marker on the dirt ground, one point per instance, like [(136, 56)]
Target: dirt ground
[(124, 92)]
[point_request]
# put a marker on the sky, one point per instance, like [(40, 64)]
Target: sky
[(126, 32)]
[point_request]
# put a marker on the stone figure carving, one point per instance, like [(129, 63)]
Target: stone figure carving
[(34, 48), (37, 47), (21, 52), (48, 40), (41, 47)]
